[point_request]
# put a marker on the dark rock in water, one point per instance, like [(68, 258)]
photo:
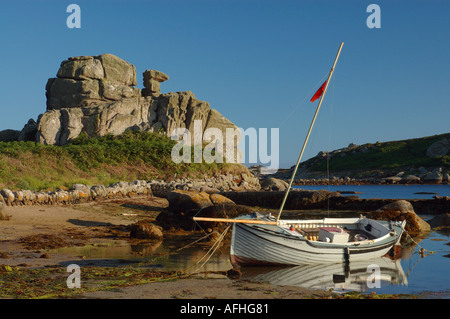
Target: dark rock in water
[(350, 192), (442, 220), (297, 199), (402, 210), (234, 273), (145, 230), (426, 193)]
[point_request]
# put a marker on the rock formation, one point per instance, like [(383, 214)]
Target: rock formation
[(403, 210), (90, 81), (439, 148), (97, 95)]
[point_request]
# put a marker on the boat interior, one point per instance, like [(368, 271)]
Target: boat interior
[(336, 230)]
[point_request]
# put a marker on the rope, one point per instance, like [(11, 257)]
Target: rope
[(215, 246), (422, 248), (309, 94), (201, 209), (185, 273)]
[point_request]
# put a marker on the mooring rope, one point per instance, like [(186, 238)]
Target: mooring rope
[(215, 246), (422, 248)]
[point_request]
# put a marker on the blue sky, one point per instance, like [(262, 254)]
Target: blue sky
[(257, 62)]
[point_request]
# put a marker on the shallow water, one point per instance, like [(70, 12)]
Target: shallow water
[(386, 191), (412, 273)]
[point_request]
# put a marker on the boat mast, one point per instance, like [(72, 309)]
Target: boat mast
[(309, 132)]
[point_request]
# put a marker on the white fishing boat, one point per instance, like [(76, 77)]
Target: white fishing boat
[(299, 242), (259, 239)]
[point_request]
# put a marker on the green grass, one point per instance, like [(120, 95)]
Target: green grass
[(102, 160), (385, 156)]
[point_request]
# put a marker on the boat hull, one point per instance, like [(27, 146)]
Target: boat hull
[(265, 245)]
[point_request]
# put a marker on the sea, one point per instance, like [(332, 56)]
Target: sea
[(422, 269), (394, 191)]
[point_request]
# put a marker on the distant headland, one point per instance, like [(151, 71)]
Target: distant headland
[(423, 160)]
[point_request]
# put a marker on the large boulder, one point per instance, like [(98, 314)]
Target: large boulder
[(434, 177), (181, 201), (403, 210), (439, 148), (152, 80), (3, 213), (7, 195), (91, 80), (273, 184), (184, 205), (145, 230)]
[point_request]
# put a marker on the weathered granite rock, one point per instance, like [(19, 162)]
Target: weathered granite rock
[(105, 66), (404, 208), (8, 196), (95, 95), (152, 80), (67, 93), (91, 80), (145, 230), (29, 131), (446, 178), (180, 200), (439, 148), (432, 177), (59, 126), (411, 179), (218, 199), (230, 150), (392, 179), (273, 184), (3, 214)]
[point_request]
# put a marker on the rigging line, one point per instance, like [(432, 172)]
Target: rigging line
[(431, 251), (219, 240), (216, 243), (315, 87), (329, 139), (197, 224)]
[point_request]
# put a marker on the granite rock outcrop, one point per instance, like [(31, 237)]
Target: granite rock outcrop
[(97, 95)]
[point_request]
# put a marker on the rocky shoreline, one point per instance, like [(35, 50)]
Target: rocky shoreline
[(242, 189), (80, 193), (436, 176)]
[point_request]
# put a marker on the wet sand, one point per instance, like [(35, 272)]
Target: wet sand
[(32, 230)]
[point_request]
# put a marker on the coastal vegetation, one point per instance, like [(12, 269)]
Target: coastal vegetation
[(394, 156), (100, 160)]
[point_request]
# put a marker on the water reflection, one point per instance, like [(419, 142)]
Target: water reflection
[(356, 276), (429, 267)]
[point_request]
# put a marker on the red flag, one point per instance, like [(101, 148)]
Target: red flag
[(319, 92)]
